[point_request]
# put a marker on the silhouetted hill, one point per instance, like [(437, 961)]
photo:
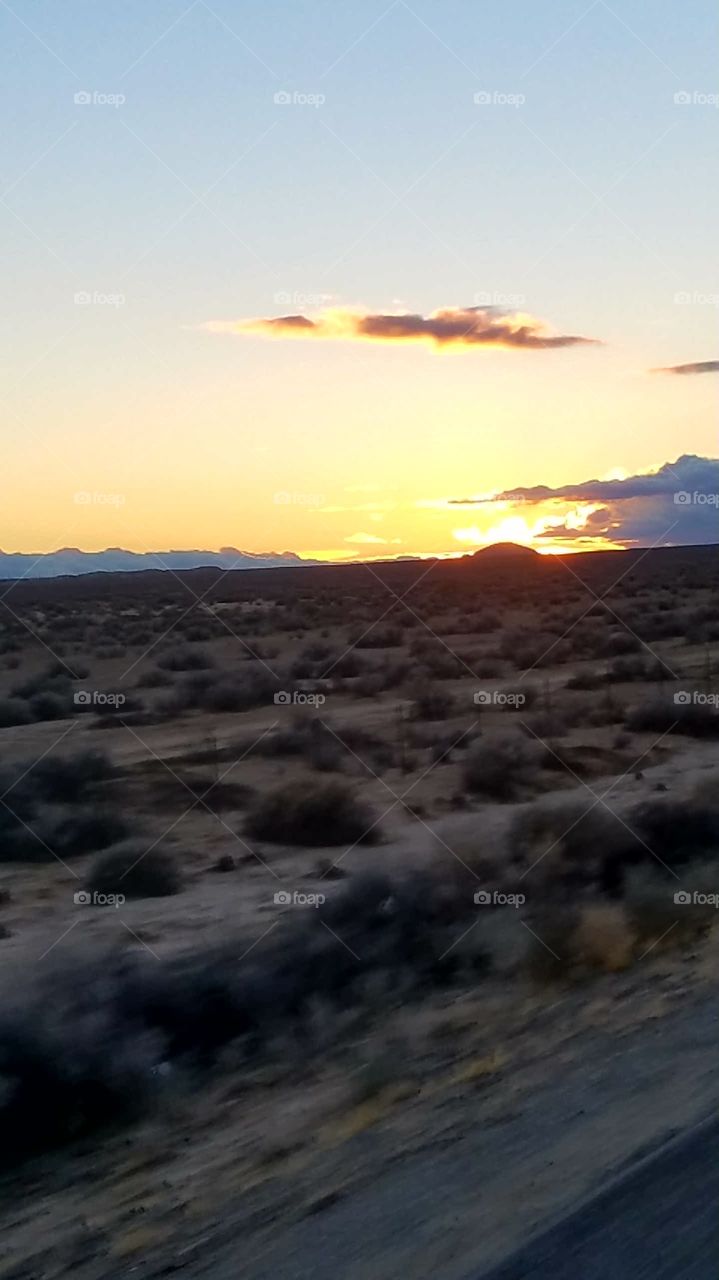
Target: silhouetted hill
[(513, 551)]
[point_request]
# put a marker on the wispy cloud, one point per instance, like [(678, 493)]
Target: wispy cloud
[(450, 327), (699, 366)]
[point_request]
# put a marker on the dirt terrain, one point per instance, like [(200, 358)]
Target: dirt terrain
[(476, 788)]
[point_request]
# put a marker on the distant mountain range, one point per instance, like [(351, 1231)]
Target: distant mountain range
[(70, 560)]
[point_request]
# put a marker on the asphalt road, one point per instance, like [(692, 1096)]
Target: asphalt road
[(659, 1221)]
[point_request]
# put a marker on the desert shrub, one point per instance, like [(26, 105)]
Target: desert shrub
[(603, 939), (69, 1068), (621, 642), (548, 950), (628, 667), (432, 703), (547, 724), (154, 678), (678, 832), (50, 706), (586, 680), (69, 778), (574, 845), (251, 686), (308, 737), (14, 711), (662, 715), (379, 637), (656, 917), (57, 808), (306, 813), (501, 765), (185, 658), (578, 846), (136, 871)]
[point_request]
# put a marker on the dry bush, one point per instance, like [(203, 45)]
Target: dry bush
[(663, 715), (603, 939), (432, 703), (185, 658), (57, 806), (501, 766), (311, 814), (136, 871)]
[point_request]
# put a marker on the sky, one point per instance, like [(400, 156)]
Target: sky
[(490, 227)]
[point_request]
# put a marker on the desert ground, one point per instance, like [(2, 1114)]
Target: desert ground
[(338, 906)]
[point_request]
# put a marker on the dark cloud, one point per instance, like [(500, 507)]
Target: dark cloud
[(689, 472), (700, 366), (677, 504), (449, 327)]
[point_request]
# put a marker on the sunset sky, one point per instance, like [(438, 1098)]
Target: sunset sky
[(491, 228)]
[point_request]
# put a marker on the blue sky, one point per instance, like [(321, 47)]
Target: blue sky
[(590, 200)]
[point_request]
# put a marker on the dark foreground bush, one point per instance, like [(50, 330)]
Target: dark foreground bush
[(57, 807), (502, 765), (185, 658), (136, 871), (313, 814), (663, 715), (91, 1048), (580, 845), (71, 1062)]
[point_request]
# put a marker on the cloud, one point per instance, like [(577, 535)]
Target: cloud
[(688, 472), (362, 538), (677, 503), (456, 327), (700, 366)]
